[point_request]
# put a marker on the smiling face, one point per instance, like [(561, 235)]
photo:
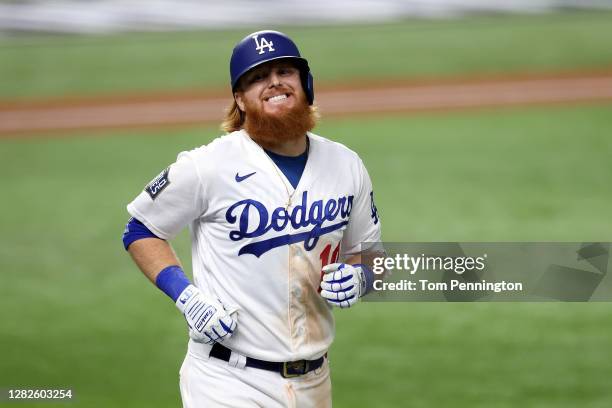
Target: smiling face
[(274, 103), (274, 88)]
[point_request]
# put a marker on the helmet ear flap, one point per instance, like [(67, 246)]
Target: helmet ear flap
[(309, 88)]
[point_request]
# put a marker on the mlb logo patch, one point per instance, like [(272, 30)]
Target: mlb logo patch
[(158, 184)]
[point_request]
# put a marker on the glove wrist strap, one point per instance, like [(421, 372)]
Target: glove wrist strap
[(367, 279), (186, 297)]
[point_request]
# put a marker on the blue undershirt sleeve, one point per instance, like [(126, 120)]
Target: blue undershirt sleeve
[(135, 230)]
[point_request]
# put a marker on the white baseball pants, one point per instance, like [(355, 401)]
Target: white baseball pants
[(211, 382)]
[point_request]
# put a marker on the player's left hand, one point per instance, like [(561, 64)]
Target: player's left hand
[(342, 285)]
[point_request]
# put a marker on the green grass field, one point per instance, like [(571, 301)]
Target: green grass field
[(144, 62), (77, 313)]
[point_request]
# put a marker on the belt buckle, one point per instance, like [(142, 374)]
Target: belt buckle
[(293, 369)]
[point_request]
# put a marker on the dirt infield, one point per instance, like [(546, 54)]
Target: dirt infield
[(18, 119)]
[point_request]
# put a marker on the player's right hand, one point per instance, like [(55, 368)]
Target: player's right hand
[(208, 320)]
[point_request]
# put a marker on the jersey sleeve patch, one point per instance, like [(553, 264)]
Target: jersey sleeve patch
[(158, 184), (373, 209)]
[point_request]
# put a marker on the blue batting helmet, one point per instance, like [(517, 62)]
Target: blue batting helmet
[(267, 45)]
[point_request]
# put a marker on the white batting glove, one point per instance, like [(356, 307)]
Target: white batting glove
[(207, 319), (342, 285)]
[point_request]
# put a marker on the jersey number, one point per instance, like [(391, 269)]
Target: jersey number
[(325, 259)]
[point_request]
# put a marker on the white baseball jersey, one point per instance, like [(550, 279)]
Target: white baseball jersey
[(253, 251)]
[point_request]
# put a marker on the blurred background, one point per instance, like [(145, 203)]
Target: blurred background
[(477, 120)]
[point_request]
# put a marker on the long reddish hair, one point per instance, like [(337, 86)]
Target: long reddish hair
[(234, 118)]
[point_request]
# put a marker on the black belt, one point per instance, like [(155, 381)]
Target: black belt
[(287, 369)]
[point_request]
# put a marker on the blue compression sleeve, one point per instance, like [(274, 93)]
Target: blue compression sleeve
[(369, 277), (135, 230), (172, 281)]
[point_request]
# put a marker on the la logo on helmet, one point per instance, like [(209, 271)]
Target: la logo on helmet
[(263, 43)]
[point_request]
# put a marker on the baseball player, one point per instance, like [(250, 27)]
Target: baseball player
[(277, 217)]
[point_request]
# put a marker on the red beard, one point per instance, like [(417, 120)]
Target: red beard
[(271, 131)]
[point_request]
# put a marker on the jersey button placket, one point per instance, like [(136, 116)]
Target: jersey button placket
[(295, 293), (290, 297)]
